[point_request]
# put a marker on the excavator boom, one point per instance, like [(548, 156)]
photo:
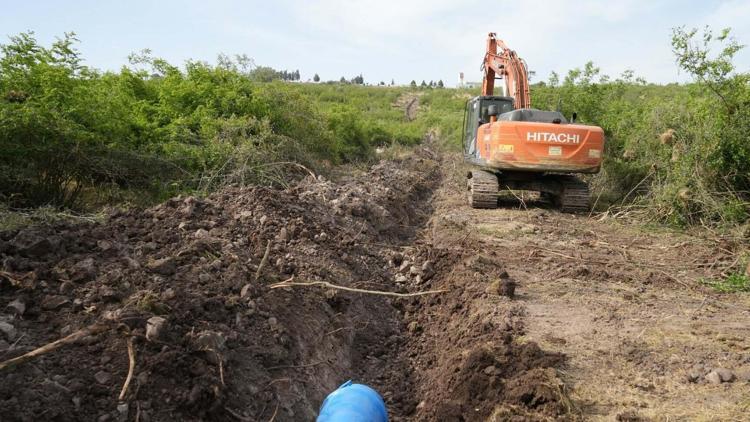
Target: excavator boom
[(505, 64)]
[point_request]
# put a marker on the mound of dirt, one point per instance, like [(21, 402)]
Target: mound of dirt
[(188, 282)]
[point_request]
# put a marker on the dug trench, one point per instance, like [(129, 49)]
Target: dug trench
[(190, 290)]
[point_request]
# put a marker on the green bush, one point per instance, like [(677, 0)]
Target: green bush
[(69, 133), (678, 151)]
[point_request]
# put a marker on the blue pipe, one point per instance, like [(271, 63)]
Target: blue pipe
[(353, 403)]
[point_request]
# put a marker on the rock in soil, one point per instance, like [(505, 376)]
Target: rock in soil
[(164, 266), (155, 327), (8, 330), (16, 307)]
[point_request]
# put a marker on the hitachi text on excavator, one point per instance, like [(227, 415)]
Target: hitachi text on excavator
[(515, 147)]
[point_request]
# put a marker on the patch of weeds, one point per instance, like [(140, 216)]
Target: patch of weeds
[(734, 283)]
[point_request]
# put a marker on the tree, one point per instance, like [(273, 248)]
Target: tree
[(393, 82), (316, 78), (296, 75), (265, 74), (423, 84), (440, 84), (342, 80), (413, 83)]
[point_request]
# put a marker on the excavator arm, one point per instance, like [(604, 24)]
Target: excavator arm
[(505, 64)]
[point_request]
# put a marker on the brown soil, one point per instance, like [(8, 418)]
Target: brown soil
[(600, 324)]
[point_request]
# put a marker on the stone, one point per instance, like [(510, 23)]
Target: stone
[(168, 294), (155, 327), (413, 327), (164, 266), (490, 370), (428, 270), (104, 245), (323, 236), (8, 330), (743, 376), (76, 402), (245, 292), (273, 323), (142, 377), (16, 307), (122, 408), (210, 340), (283, 234), (53, 302), (204, 278), (67, 287), (508, 288), (103, 377), (725, 374), (414, 270), (693, 376), (201, 234), (400, 278), (713, 377), (131, 263), (83, 271), (404, 265), (32, 245)]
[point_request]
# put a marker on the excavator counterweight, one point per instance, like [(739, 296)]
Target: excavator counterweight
[(514, 146)]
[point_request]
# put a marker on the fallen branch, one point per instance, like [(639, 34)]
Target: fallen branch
[(131, 369), (263, 261), (289, 283), (72, 338)]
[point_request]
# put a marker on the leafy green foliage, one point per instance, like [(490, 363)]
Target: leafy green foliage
[(678, 151), (734, 283), (68, 132)]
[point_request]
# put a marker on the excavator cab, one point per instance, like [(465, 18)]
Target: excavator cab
[(477, 113)]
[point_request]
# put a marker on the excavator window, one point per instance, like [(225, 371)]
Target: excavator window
[(502, 105), (477, 114)]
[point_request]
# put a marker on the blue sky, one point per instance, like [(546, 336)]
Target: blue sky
[(385, 39)]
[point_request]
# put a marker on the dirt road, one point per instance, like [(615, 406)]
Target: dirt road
[(537, 316)]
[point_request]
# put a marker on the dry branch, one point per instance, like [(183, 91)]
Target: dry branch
[(289, 283), (131, 369), (263, 261), (72, 338)]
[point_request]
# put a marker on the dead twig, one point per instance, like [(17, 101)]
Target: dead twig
[(290, 283), (221, 368), (131, 369), (263, 260), (273, 417), (70, 339)]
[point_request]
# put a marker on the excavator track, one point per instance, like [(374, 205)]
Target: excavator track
[(483, 188), (574, 196)]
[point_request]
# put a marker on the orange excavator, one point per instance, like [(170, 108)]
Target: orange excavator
[(516, 147)]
